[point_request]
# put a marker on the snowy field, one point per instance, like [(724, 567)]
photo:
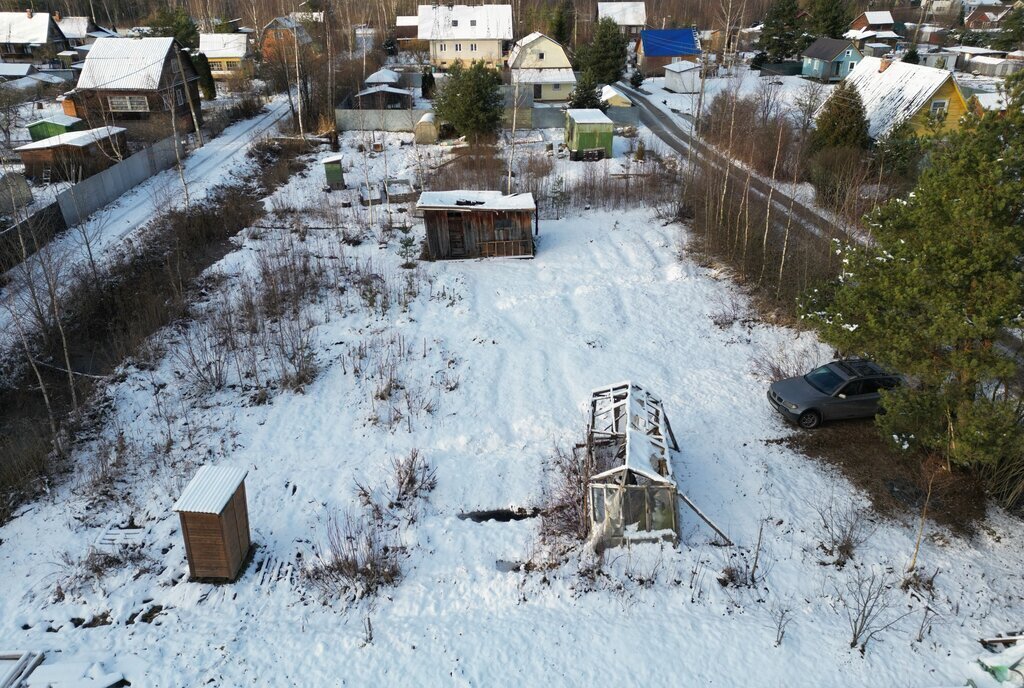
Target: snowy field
[(494, 360)]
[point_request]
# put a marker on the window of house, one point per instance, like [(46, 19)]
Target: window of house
[(180, 95), (939, 107), (442, 47), (557, 87), (472, 47), (503, 229), (175, 67), (540, 56), (458, 47), (128, 103), (849, 53), (472, 22), (455, 22)]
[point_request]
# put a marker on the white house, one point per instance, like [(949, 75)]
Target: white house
[(540, 63), (682, 77), (462, 32), (631, 17)]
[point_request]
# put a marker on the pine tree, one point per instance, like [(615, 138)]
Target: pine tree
[(206, 83), (936, 292), (1011, 31), (605, 55), (911, 56), (842, 122), (470, 100), (177, 24), (782, 36), (586, 94), (561, 23), (830, 17)]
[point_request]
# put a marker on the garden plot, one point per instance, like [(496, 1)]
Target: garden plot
[(317, 363)]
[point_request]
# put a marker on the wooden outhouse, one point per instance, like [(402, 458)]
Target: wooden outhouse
[(54, 126), (334, 172), (588, 134), (215, 523), (478, 224)]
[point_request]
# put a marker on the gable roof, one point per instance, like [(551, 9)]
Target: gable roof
[(384, 76), (895, 95), (221, 45), (125, 64), (289, 24), (15, 69), (74, 27), (523, 42), (876, 18), (828, 49), (623, 13), (19, 28), (475, 200), (210, 489), (450, 22), (670, 42)]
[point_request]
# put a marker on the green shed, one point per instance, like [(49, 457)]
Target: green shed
[(334, 173), (588, 134), (55, 126)]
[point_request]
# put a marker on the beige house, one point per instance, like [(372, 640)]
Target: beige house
[(540, 63), (461, 32)]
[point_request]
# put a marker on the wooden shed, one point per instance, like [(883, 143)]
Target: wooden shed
[(215, 523), (588, 134), (54, 126), (478, 224), (334, 172), (73, 156)]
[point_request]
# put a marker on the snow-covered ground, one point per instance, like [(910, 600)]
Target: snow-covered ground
[(495, 360)]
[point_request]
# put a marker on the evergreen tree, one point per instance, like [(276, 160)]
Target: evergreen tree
[(1011, 31), (471, 100), (830, 18), (937, 290), (842, 122), (782, 36), (586, 94), (427, 84), (561, 23), (605, 55), (636, 79), (177, 24), (206, 83), (911, 56)]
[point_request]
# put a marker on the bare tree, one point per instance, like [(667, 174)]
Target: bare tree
[(868, 605)]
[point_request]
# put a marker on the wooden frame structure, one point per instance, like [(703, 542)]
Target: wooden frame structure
[(478, 224), (215, 523)]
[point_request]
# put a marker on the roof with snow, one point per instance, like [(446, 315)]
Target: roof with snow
[(59, 118), (384, 76), (827, 49), (224, 45), (974, 50), (878, 18), (864, 34), (450, 22), (681, 66), (628, 412), (15, 69), (609, 92), (79, 139), (995, 102), (587, 116), (670, 42), (383, 88), (74, 27), (525, 41), (20, 28), (623, 13), (125, 64), (407, 20), (210, 489), (474, 200), (896, 94), (543, 76)]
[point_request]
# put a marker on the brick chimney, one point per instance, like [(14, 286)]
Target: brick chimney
[(28, 13), (884, 64), (56, 16)]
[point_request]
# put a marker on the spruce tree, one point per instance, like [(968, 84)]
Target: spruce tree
[(911, 56), (842, 122), (605, 55), (561, 23), (935, 293), (782, 35), (830, 18), (586, 94), (471, 100), (1011, 31)]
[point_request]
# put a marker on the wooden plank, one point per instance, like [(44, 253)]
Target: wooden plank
[(704, 518)]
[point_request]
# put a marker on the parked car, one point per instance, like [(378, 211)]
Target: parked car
[(840, 389)]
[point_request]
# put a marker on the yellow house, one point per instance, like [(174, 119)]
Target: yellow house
[(228, 53), (898, 92), (540, 63), (462, 32)]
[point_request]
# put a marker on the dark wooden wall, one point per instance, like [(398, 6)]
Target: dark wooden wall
[(217, 544), (478, 229)]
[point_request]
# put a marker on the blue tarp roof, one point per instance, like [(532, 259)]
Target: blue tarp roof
[(670, 42)]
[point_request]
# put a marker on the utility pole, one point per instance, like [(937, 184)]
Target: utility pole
[(188, 95)]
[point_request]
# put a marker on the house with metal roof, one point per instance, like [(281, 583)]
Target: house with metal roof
[(229, 54), (830, 59), (478, 224), (659, 47), (540, 63), (280, 36), (29, 37), (80, 30), (631, 17), (466, 33), (894, 92), (139, 84), (873, 27)]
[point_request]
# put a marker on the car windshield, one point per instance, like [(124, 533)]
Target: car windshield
[(824, 379)]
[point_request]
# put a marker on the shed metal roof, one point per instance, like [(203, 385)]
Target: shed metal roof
[(588, 116), (623, 13), (475, 200), (224, 45), (59, 118), (125, 64), (210, 489), (827, 49), (670, 42), (20, 28), (79, 139)]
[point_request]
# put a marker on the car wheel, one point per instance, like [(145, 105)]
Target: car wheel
[(809, 420)]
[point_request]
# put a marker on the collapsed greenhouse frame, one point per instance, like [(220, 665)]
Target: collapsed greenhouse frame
[(631, 493)]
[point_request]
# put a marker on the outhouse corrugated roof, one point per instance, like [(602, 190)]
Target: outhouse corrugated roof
[(210, 489)]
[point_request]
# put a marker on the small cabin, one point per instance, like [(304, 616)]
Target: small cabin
[(631, 494), (382, 97), (334, 172), (478, 224), (73, 156), (682, 77), (55, 125), (215, 523), (588, 134)]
